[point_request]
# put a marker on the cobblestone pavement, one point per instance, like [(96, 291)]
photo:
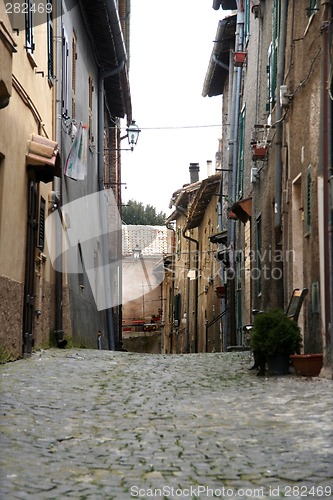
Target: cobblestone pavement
[(91, 424)]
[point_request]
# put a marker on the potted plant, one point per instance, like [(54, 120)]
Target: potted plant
[(273, 339)]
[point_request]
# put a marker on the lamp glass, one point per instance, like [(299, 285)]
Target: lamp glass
[(133, 133)]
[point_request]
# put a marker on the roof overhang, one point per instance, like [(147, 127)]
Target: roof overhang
[(218, 68), (103, 22), (242, 209), (196, 211), (226, 4), (220, 238)]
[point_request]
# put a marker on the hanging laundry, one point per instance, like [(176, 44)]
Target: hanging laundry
[(76, 163)]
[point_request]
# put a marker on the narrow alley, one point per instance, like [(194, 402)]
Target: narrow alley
[(91, 424)]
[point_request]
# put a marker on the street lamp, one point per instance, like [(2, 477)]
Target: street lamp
[(133, 132)]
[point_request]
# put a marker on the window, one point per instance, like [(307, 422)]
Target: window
[(64, 90), (74, 59), (312, 7), (257, 274), (90, 109), (80, 267), (50, 49), (272, 57), (177, 307), (308, 200), (240, 170), (41, 225), (29, 35)]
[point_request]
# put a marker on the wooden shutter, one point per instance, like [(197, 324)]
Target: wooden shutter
[(74, 59), (41, 228), (50, 47)]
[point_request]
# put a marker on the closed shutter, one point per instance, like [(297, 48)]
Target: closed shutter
[(240, 171), (50, 47), (41, 228)]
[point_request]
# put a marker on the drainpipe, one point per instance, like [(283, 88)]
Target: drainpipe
[(325, 191), (168, 226), (57, 187), (278, 140), (233, 159), (112, 10), (196, 293)]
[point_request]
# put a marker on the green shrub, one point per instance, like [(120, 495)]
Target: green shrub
[(275, 333)]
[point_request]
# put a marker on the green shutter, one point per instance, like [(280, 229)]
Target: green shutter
[(257, 274), (273, 57), (247, 10), (50, 50), (240, 170), (308, 200)]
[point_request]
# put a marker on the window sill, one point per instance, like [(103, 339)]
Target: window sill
[(32, 61)]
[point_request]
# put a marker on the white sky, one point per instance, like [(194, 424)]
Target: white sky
[(171, 44)]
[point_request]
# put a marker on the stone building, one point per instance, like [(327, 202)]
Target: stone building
[(270, 65), (63, 83), (29, 161), (192, 305)]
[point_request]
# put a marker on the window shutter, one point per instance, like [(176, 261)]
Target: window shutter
[(41, 235), (29, 39), (74, 58), (65, 53), (308, 199), (240, 172), (50, 48), (247, 10)]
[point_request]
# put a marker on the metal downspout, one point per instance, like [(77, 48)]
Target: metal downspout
[(112, 9), (325, 192), (278, 142), (188, 287), (57, 187), (172, 288), (234, 161), (196, 289), (278, 115)]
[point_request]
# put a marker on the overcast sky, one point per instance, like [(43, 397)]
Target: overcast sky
[(171, 44)]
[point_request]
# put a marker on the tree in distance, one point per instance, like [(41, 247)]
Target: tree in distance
[(135, 212)]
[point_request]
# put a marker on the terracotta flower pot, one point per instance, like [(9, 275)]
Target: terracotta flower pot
[(308, 365), (239, 58), (259, 152)]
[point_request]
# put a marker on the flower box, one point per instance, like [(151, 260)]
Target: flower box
[(259, 152), (239, 58), (220, 291)]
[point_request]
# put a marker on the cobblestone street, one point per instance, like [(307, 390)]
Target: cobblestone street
[(104, 425)]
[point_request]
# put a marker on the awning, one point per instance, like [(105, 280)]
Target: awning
[(218, 71), (220, 238), (43, 158), (242, 209)]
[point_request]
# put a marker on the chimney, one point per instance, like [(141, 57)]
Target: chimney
[(194, 172), (209, 168)]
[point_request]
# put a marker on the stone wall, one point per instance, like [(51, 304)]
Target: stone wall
[(11, 307)]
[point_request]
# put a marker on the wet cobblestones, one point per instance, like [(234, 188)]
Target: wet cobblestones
[(91, 424)]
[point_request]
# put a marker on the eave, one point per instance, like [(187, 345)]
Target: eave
[(196, 211), (108, 42), (218, 71)]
